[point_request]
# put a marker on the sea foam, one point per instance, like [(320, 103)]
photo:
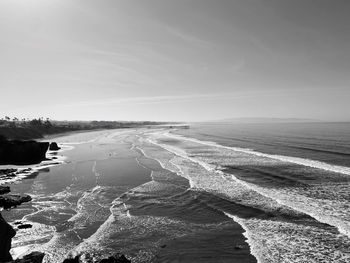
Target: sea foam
[(325, 211)]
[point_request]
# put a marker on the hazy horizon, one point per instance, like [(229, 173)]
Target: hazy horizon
[(242, 120), (188, 60)]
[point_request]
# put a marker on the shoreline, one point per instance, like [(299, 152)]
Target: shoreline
[(232, 239), (67, 133)]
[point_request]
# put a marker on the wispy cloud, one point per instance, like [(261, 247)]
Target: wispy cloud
[(147, 100), (189, 38), (180, 98)]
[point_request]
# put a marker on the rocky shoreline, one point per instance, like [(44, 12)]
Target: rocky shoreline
[(37, 257), (15, 152), (22, 152), (9, 201)]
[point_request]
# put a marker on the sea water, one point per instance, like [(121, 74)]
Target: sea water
[(165, 195)]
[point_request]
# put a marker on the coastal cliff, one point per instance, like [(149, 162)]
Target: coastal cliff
[(22, 152), (7, 232)]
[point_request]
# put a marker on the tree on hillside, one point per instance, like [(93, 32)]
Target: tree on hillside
[(47, 123), (36, 122)]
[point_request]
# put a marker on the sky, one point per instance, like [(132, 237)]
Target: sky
[(179, 60)]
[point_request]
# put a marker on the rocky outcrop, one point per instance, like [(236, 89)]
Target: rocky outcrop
[(54, 147), (117, 258), (24, 226), (6, 230), (22, 152), (37, 257), (7, 233), (34, 257), (4, 190), (8, 172), (72, 260), (8, 201)]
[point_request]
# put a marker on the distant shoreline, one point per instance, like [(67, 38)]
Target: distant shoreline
[(39, 129), (32, 134)]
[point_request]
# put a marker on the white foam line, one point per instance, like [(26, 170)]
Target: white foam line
[(140, 164), (78, 143), (179, 172), (104, 226), (79, 205), (23, 173), (55, 162), (147, 156), (328, 220), (182, 154), (296, 160), (14, 179), (97, 174), (209, 168), (152, 176), (142, 151), (106, 134), (182, 174), (250, 242), (64, 147)]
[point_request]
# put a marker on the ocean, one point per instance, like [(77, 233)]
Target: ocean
[(216, 192)]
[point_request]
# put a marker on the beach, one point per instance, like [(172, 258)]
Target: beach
[(210, 193), (115, 191)]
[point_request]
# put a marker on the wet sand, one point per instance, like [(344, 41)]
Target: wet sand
[(108, 196)]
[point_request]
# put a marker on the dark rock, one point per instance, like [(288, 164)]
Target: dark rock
[(4, 190), (7, 233), (163, 246), (72, 260), (22, 152), (7, 171), (11, 175), (117, 258), (239, 247), (34, 257), (54, 146), (24, 226), (9, 200)]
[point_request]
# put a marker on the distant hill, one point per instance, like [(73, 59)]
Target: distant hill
[(265, 120), (37, 128)]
